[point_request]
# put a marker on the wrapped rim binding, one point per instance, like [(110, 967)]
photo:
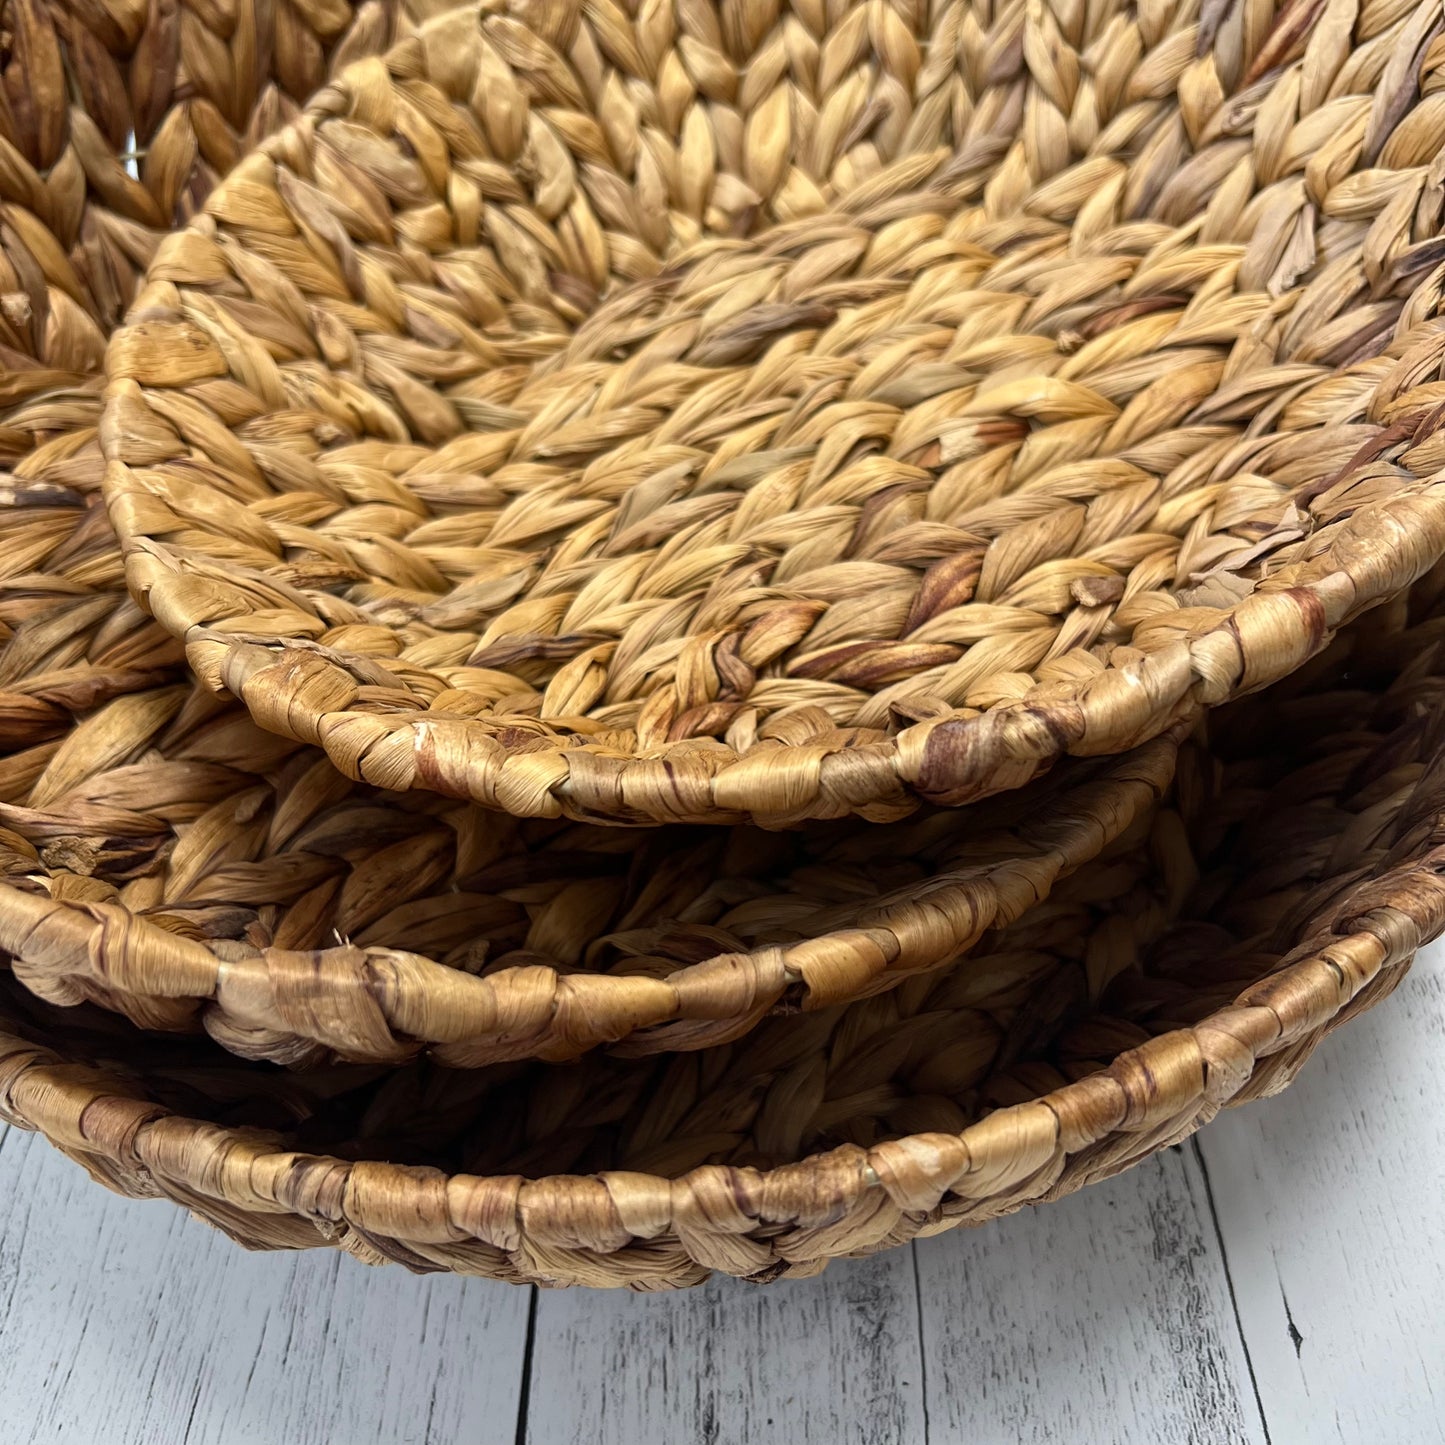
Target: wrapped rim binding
[(1286, 888), (961, 468)]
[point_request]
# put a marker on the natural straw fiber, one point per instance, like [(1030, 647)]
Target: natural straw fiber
[(180, 865), (1285, 890), (902, 498), (114, 125), (116, 122)]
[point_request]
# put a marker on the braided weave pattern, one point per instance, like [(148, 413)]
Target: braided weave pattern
[(738, 495), (1110, 1023), (116, 121), (175, 859), (186, 90), (176, 862), (904, 498), (170, 856)]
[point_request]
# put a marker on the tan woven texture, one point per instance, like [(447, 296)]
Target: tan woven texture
[(181, 865), (1286, 887), (975, 463), (114, 124), (116, 121), (171, 861)]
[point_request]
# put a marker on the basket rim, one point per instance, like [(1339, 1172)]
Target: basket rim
[(384, 1003), (949, 761), (1017, 1155)]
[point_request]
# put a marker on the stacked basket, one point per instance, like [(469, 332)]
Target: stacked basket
[(751, 630)]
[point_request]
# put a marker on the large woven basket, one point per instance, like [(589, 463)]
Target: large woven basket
[(960, 469), (1286, 890)]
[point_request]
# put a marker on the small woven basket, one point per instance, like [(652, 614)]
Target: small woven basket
[(1011, 449), (1286, 889)]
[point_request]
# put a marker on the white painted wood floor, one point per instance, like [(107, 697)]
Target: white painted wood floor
[(1279, 1281)]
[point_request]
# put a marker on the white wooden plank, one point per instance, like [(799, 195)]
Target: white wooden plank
[(124, 1322), (833, 1359), (1103, 1317), (1329, 1201)]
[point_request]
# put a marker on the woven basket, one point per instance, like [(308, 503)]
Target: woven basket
[(175, 858), (165, 857), (903, 498), (1287, 890)]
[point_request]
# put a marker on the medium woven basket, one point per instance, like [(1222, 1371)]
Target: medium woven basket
[(1287, 889), (172, 862), (166, 858), (1009, 451)]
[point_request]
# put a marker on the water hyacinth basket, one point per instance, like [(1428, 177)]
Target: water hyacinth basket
[(166, 858), (1285, 887), (808, 418), (1108, 394)]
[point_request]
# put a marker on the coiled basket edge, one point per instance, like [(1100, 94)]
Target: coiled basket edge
[(628, 1229)]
